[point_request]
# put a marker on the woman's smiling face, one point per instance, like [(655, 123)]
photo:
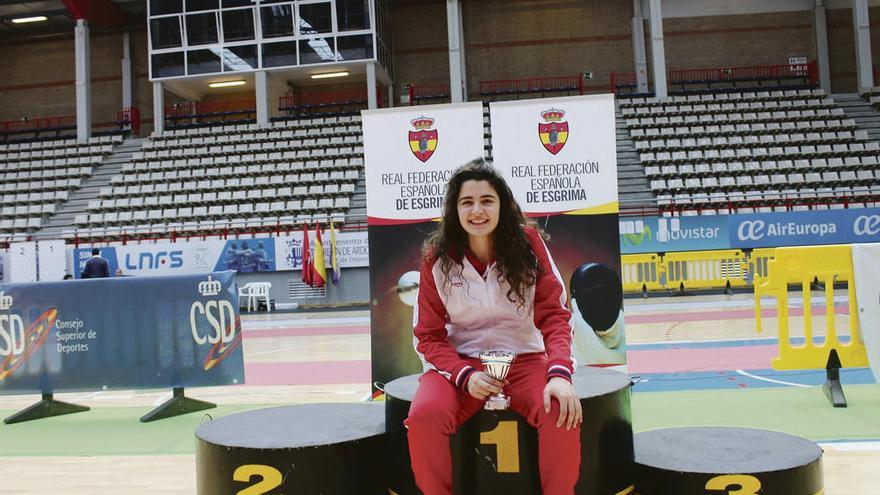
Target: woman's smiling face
[(478, 208)]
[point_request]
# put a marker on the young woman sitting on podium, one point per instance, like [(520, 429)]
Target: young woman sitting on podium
[(488, 283)]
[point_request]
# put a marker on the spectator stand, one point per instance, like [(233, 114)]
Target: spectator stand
[(26, 129), (535, 87), (197, 114), (427, 93), (324, 104)]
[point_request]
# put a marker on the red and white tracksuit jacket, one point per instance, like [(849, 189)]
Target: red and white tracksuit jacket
[(469, 312), (457, 317)]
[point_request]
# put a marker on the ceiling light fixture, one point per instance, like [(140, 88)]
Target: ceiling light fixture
[(23, 20), (329, 74), (226, 84)]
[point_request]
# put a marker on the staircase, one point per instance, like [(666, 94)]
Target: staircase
[(859, 110), (632, 184), (62, 222)]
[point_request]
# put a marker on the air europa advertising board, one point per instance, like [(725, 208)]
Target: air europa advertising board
[(134, 332)]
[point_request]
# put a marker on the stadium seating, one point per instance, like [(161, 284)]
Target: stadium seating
[(751, 151), (38, 176), (236, 177)]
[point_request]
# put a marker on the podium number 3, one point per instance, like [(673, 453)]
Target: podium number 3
[(505, 437), (271, 478), (748, 485)]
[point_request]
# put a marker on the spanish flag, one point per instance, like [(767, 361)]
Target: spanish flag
[(306, 264), (333, 263), (319, 268)]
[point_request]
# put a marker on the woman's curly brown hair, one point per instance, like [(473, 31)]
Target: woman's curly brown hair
[(515, 260)]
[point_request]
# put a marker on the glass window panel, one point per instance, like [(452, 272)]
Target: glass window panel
[(202, 61), (237, 58), (357, 47), (159, 7), (165, 32), (197, 5), (352, 15), (168, 64), (237, 3), (279, 54), (316, 51), (315, 18), (201, 29), (238, 25), (277, 21)]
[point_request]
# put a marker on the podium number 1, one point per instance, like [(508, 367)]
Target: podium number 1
[(505, 437), (271, 478), (748, 485)]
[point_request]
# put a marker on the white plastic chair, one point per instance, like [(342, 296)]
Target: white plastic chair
[(253, 291)]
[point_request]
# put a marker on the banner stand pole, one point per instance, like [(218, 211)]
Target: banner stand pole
[(832, 388), (47, 407), (175, 406)]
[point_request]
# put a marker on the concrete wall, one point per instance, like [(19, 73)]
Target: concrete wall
[(39, 79), (353, 288), (504, 39)]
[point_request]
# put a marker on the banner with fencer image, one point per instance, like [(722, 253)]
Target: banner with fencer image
[(409, 154), (559, 156)]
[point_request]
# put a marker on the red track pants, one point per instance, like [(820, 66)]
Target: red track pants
[(439, 408)]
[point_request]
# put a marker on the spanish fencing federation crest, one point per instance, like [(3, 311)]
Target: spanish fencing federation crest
[(553, 132), (423, 140)]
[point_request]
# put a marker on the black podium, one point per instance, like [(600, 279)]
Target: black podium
[(497, 452), (710, 460), (310, 449)]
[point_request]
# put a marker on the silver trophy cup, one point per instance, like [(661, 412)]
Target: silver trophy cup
[(497, 364)]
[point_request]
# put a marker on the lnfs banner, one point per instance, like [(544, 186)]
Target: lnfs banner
[(139, 332), (559, 157), (409, 154)]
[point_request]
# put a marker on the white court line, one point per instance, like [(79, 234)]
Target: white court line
[(738, 304), (852, 446), (87, 396), (263, 353), (765, 379), (162, 398), (305, 322)]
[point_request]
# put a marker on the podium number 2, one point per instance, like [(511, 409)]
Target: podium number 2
[(506, 440), (271, 478), (748, 485)]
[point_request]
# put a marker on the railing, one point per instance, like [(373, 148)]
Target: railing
[(808, 72), (620, 80), (129, 117), (532, 85), (427, 92), (196, 109), (215, 232), (787, 201), (38, 124), (337, 98)]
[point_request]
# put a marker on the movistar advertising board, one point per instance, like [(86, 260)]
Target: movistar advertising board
[(658, 235), (805, 228), (137, 332)]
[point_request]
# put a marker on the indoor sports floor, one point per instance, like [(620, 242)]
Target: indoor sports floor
[(697, 360)]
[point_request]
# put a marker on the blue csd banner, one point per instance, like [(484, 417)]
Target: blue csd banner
[(657, 235), (805, 228), (132, 332)]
